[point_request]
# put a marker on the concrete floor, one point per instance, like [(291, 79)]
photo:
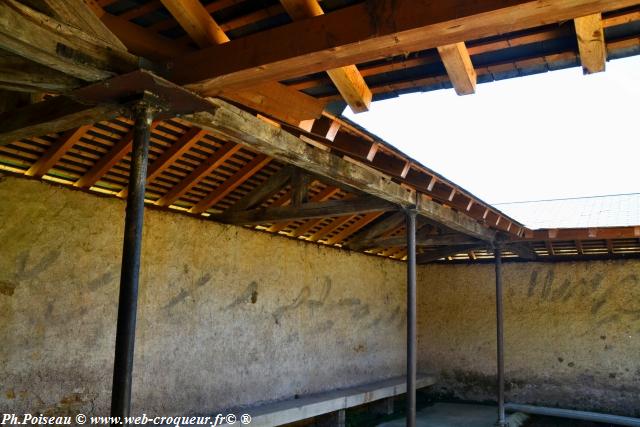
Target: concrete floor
[(451, 415)]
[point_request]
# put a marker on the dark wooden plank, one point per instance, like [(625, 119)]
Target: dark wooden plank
[(47, 41), (389, 223), (264, 191), (307, 211), (53, 115), (439, 240)]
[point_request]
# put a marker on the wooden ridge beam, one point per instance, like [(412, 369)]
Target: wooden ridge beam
[(459, 67), (271, 186), (56, 151), (53, 115), (106, 162), (239, 126), (306, 211), (200, 172), (347, 79), (591, 45), (233, 182), (49, 42), (272, 97), (365, 32), (170, 155)]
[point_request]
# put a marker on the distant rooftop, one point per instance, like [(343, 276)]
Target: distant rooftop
[(617, 210)]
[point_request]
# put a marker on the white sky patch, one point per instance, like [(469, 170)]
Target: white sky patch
[(553, 135)]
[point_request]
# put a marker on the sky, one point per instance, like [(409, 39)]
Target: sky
[(547, 136)]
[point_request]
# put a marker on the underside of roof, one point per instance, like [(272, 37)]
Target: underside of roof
[(80, 134)]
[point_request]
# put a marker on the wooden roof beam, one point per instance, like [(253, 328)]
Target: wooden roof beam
[(353, 228), (79, 14), (267, 189), (447, 251), (322, 196), (236, 125), (170, 155), (54, 115), (347, 79), (593, 51), (270, 97), (205, 168), (233, 182), (306, 211), (363, 32), (56, 151), (459, 67), (106, 162), (52, 43)]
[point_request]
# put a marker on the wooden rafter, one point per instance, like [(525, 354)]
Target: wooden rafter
[(267, 189), (236, 125), (170, 155), (593, 52), (56, 151), (378, 229), (445, 252), (322, 196), (347, 79), (205, 168), (106, 162), (306, 211), (233, 182), (459, 67), (437, 240), (354, 227), (331, 226), (269, 97), (305, 47)]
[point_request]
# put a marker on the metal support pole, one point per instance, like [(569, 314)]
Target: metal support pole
[(411, 318), (500, 336), (129, 275)]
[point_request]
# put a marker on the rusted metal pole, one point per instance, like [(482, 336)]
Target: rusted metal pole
[(500, 336), (130, 271), (411, 318)]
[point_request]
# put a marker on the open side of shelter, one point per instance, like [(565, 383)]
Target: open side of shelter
[(132, 106)]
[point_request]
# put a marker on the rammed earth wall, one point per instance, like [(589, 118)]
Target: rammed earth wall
[(228, 316)]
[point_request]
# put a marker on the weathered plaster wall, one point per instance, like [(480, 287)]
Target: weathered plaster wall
[(572, 332), (227, 316)]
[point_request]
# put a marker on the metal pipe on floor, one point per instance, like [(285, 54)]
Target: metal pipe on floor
[(575, 415), (130, 270), (411, 318), (500, 335)]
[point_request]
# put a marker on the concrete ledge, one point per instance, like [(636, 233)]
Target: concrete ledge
[(288, 411)]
